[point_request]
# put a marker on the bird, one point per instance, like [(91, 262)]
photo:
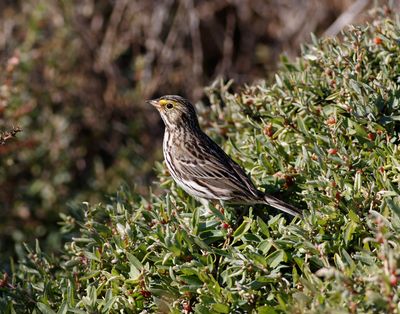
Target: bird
[(201, 167)]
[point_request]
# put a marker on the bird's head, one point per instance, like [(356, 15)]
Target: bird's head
[(175, 111)]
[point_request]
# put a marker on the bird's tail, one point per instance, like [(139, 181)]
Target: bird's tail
[(281, 205)]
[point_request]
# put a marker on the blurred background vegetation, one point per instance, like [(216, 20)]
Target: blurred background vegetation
[(74, 76)]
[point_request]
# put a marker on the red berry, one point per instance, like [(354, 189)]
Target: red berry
[(377, 41), (225, 225), (371, 136), (332, 151), (393, 280), (187, 307)]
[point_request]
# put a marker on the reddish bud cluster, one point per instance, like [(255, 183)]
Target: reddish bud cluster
[(145, 293), (331, 121), (268, 130), (12, 63), (4, 281), (289, 181)]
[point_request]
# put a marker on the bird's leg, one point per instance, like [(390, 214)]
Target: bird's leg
[(206, 207), (220, 207)]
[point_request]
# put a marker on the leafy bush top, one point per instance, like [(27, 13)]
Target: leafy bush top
[(324, 134)]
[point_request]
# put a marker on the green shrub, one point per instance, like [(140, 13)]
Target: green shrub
[(85, 69), (324, 136)]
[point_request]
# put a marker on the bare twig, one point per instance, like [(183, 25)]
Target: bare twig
[(227, 53), (6, 135), (194, 25), (347, 17)]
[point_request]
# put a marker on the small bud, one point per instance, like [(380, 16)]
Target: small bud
[(328, 72), (314, 156), (379, 238)]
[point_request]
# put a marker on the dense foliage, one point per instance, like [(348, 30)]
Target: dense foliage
[(74, 75), (324, 134)]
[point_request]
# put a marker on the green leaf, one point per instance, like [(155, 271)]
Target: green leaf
[(275, 258), (242, 229), (393, 206), (44, 309), (266, 310), (263, 227), (91, 256), (134, 261), (220, 308), (63, 308), (333, 96), (350, 228)]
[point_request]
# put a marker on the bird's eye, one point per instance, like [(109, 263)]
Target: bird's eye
[(170, 106)]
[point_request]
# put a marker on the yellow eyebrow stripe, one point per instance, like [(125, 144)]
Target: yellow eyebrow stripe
[(163, 102)]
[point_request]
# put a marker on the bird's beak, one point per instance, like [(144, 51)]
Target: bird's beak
[(154, 102)]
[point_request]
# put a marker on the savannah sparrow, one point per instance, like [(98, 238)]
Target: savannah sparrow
[(199, 165)]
